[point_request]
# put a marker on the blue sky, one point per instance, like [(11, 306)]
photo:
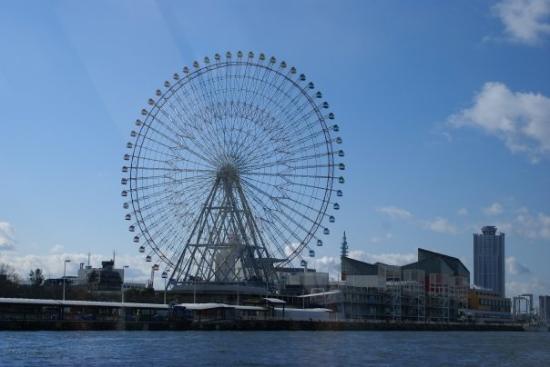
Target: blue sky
[(444, 109)]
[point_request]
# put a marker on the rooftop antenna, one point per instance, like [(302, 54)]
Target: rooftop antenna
[(344, 248)]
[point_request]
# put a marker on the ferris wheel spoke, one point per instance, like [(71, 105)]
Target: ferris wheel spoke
[(149, 150), (186, 123), (261, 138), (198, 98), (328, 188), (159, 230), (305, 195), (284, 225), (281, 113), (268, 229), (287, 193), (149, 194), (173, 181), (253, 153), (185, 134), (189, 197), (159, 233), (205, 157), (302, 140), (152, 140), (290, 175), (307, 131), (149, 214), (160, 133), (315, 146), (288, 167), (252, 140), (235, 153), (286, 163), (292, 183), (170, 238), (260, 155), (167, 195), (161, 225), (147, 159), (282, 203), (302, 204), (149, 204), (272, 138), (194, 139), (206, 118), (206, 143), (171, 123), (170, 169)]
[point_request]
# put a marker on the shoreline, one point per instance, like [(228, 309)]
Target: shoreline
[(247, 325)]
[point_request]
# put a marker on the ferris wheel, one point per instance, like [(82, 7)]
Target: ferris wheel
[(232, 171)]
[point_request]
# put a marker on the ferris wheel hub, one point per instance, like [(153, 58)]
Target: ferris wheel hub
[(228, 172)]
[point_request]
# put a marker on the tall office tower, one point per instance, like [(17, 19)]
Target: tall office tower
[(489, 260), (544, 308)]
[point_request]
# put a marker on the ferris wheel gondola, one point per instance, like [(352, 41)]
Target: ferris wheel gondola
[(231, 170)]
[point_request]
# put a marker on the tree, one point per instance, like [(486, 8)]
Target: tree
[(7, 274), (36, 277)]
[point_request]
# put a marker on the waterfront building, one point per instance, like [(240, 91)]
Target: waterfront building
[(106, 278), (487, 305), (489, 258), (544, 308), (488, 300), (21, 313), (523, 307), (297, 281), (58, 282), (446, 281), (361, 274), (433, 288), (134, 285)]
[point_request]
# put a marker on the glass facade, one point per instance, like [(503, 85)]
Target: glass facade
[(489, 259)]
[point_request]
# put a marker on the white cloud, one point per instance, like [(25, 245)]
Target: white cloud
[(462, 211), (57, 249), (533, 226), (514, 267), (525, 21), (331, 264), (521, 120), (291, 248), (52, 264), (504, 227), (522, 210), (440, 225), (493, 209), (533, 286), (395, 212), (328, 264), (391, 258), (377, 239), (7, 236)]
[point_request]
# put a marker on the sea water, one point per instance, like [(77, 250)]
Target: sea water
[(278, 348)]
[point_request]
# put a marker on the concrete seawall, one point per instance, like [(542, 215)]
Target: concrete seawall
[(252, 325)]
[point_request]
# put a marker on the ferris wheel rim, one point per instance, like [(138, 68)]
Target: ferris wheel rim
[(160, 102)]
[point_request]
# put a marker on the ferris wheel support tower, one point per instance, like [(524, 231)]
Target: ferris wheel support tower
[(232, 172)]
